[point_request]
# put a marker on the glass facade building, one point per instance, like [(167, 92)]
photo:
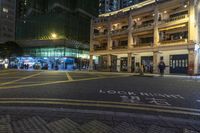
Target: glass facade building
[(7, 20), (106, 6), (69, 19), (56, 52)]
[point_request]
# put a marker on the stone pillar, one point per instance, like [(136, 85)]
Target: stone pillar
[(129, 62), (109, 42), (156, 31), (91, 35), (192, 62), (192, 26), (109, 39), (109, 61), (130, 32), (118, 65), (156, 60), (91, 66), (135, 41)]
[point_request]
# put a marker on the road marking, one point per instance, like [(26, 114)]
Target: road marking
[(8, 73), (100, 102), (27, 77), (69, 77), (185, 111), (56, 82)]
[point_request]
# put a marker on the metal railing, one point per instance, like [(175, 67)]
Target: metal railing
[(143, 27), (119, 47), (143, 45), (119, 31), (173, 41), (100, 34), (175, 18), (99, 20), (100, 48)]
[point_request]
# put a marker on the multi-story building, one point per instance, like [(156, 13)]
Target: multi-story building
[(54, 31), (67, 18), (7, 20), (106, 6), (144, 34)]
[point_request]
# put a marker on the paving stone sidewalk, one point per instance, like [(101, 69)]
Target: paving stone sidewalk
[(69, 121)]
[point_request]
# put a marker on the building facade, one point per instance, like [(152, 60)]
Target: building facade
[(7, 20), (52, 31), (68, 19), (146, 33), (106, 6)]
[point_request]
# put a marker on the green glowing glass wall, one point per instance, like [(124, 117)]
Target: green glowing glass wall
[(56, 52)]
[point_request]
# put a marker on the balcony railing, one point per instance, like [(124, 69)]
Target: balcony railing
[(143, 45), (100, 48), (143, 27), (100, 34), (100, 20), (119, 31), (119, 47), (175, 18), (173, 41)]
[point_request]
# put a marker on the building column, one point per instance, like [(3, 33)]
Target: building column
[(109, 62), (91, 66), (130, 32), (192, 26), (156, 31), (192, 62), (129, 62), (109, 39), (91, 36), (156, 60), (109, 42)]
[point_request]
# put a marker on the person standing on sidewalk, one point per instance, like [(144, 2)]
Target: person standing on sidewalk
[(162, 67)]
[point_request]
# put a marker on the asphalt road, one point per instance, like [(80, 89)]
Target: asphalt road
[(101, 90)]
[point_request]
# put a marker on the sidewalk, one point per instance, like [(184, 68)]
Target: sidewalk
[(22, 119), (145, 74)]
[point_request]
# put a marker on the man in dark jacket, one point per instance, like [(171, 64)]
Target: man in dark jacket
[(162, 67)]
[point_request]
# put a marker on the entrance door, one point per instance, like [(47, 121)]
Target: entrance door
[(147, 62), (179, 64), (124, 64), (113, 63), (133, 64)]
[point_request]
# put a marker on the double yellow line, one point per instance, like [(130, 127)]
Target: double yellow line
[(102, 104), (51, 83), (23, 78), (8, 73)]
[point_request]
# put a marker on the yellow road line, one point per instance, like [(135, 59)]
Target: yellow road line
[(8, 73), (69, 77), (27, 77), (99, 102), (56, 82), (105, 106)]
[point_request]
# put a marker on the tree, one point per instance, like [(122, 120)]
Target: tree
[(10, 49)]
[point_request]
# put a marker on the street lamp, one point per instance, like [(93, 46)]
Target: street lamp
[(53, 35)]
